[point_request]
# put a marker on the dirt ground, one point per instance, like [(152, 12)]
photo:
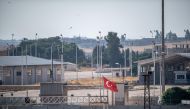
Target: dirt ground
[(98, 80)]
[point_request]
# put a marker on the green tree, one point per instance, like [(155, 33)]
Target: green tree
[(104, 55), (113, 45), (144, 55), (27, 47), (188, 91), (174, 95)]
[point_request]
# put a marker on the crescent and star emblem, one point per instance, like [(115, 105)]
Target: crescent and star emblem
[(107, 83)]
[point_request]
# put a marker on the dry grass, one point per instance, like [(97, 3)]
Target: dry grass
[(87, 69), (96, 81)]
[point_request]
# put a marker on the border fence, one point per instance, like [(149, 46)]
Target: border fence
[(69, 100)]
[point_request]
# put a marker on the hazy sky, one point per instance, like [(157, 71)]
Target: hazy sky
[(50, 18)]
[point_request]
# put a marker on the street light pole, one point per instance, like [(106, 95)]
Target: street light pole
[(8, 49), (36, 44), (97, 53), (119, 66), (100, 39), (99, 59), (12, 44), (185, 42), (154, 57), (22, 69), (51, 72), (154, 64), (131, 58), (76, 58), (125, 54)]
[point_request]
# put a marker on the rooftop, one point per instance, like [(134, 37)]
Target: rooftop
[(26, 60), (168, 58)]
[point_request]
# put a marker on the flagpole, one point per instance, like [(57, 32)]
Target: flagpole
[(102, 85), (107, 97), (112, 92), (100, 88)]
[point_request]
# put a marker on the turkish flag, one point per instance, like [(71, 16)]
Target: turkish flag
[(110, 85)]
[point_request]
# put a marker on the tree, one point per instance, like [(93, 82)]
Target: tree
[(187, 34), (188, 91), (158, 35), (44, 49), (174, 95), (113, 45), (144, 55), (104, 55)]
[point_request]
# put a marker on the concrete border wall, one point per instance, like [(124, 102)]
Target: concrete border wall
[(93, 107)]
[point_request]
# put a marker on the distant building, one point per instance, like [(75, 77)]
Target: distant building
[(170, 48), (180, 47), (34, 70), (187, 34), (171, 36), (177, 69)]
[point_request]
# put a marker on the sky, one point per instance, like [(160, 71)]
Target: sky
[(48, 18)]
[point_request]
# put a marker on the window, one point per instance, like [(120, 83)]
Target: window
[(65, 67), (180, 76), (180, 67), (58, 71), (48, 72), (18, 73), (188, 76), (170, 68), (7, 73), (38, 72), (181, 46), (29, 72)]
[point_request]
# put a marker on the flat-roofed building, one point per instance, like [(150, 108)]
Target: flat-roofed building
[(177, 69)]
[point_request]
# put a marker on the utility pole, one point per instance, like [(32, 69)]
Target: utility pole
[(36, 50), (162, 71), (30, 50), (12, 44), (100, 50), (62, 69), (51, 71), (131, 58), (185, 42), (76, 58), (147, 89), (92, 60), (97, 53), (22, 76), (26, 70), (100, 59), (154, 63), (8, 49)]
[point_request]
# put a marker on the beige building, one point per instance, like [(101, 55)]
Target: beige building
[(17, 70)]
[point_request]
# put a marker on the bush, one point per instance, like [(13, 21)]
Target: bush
[(174, 96), (188, 91)]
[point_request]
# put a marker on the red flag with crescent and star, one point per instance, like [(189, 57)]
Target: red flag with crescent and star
[(110, 85)]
